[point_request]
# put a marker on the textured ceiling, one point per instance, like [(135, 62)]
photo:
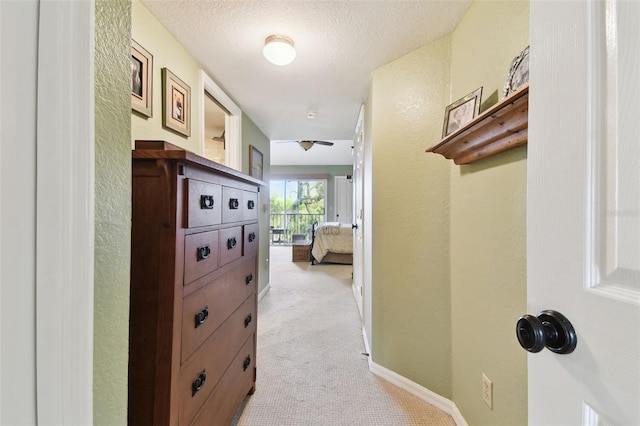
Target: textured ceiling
[(338, 44)]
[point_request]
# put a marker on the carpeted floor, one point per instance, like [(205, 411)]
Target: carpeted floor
[(311, 366)]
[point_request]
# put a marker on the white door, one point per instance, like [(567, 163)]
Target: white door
[(344, 199), (584, 209), (358, 208)]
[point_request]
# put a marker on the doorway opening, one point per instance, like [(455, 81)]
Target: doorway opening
[(215, 130)]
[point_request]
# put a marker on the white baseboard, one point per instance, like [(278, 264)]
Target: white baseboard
[(413, 388), (264, 291), (457, 416), (366, 344)]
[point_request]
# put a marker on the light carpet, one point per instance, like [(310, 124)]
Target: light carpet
[(310, 361)]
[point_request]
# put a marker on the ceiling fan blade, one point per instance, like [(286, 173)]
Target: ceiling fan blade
[(287, 142), (323, 143), (219, 138)]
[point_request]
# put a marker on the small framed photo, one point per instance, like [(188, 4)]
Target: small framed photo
[(518, 75), (141, 79), (461, 112), (176, 103), (255, 162)]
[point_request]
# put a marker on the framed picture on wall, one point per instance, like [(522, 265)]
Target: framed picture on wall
[(141, 79), (518, 75), (255, 162), (176, 103), (461, 112)]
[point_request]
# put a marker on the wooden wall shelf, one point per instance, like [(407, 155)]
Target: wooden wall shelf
[(503, 126)]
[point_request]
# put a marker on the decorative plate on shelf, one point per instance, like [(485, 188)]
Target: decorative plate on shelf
[(518, 73)]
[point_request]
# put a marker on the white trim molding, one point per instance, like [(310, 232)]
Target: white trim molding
[(413, 388), (65, 213), (233, 121), (264, 292)]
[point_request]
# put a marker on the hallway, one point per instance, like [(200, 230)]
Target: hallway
[(311, 366)]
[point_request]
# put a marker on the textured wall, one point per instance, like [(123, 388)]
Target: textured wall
[(167, 53), (410, 219), (488, 230), (112, 210), (251, 135)]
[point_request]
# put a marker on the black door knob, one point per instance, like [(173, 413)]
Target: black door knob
[(548, 329)]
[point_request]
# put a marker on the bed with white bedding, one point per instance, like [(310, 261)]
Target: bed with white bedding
[(332, 242)]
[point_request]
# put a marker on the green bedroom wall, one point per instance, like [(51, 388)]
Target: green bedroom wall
[(488, 229), (251, 135), (410, 218), (112, 210)]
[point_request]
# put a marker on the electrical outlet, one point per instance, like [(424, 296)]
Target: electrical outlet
[(487, 391)]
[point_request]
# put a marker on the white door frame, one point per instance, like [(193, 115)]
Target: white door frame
[(65, 213), (232, 121), (358, 216)]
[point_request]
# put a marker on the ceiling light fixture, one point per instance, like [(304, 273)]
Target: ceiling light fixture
[(311, 114), (279, 50)]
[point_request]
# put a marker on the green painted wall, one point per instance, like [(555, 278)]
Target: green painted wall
[(167, 53), (112, 210), (321, 172), (488, 229), (460, 280), (410, 218), (251, 135)]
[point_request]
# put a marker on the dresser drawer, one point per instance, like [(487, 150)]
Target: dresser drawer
[(201, 373), (230, 244), (233, 206), (250, 204), (204, 203), (251, 239), (220, 407), (200, 255), (204, 310)]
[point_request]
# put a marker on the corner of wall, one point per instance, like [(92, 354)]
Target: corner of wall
[(410, 218), (488, 228), (252, 135), (112, 210)]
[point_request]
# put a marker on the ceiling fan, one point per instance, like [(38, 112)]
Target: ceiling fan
[(220, 138), (307, 145)]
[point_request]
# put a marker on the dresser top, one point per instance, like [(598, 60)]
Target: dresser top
[(162, 150)]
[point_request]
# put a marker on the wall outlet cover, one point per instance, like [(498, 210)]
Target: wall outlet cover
[(487, 391)]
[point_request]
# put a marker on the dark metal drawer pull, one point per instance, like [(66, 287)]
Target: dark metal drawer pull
[(231, 243), (234, 204), (247, 321), (246, 363), (206, 202), (252, 237), (204, 252), (249, 279), (198, 382), (251, 204), (201, 316)]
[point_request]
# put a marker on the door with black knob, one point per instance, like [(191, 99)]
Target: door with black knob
[(583, 212), (549, 329)]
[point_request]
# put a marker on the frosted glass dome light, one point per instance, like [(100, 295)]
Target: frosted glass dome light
[(279, 50)]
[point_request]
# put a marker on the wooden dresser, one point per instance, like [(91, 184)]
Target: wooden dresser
[(192, 330)]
